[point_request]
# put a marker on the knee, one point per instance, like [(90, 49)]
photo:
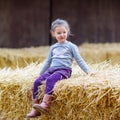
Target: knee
[(50, 82), (37, 82)]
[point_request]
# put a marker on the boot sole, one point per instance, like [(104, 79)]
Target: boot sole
[(40, 109), (32, 116)]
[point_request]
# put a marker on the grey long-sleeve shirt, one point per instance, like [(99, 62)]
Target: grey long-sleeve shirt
[(61, 56)]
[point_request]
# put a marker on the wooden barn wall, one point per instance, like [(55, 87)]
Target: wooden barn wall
[(25, 23), (90, 20)]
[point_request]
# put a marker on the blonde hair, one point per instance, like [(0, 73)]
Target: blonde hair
[(60, 22)]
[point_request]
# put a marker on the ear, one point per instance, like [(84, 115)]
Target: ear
[(53, 33)]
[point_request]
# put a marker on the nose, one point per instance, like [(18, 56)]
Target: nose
[(62, 34)]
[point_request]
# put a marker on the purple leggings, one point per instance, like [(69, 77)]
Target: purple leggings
[(51, 77)]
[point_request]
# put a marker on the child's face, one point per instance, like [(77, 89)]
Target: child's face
[(60, 33)]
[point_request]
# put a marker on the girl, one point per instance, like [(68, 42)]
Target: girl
[(57, 66)]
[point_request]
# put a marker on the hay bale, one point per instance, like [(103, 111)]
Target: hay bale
[(92, 53), (22, 57), (16, 91), (79, 98), (88, 97), (96, 53)]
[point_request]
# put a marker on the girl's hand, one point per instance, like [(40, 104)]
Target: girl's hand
[(91, 74)]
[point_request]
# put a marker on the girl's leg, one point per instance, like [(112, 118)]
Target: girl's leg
[(51, 80), (33, 113), (38, 82)]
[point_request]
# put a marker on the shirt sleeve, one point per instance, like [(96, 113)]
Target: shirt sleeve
[(79, 59), (47, 62)]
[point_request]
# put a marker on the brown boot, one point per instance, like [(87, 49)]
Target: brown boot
[(33, 113), (45, 105)]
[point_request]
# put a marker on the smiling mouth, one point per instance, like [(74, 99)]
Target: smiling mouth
[(62, 38)]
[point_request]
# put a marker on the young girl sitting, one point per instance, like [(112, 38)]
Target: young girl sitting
[(57, 66)]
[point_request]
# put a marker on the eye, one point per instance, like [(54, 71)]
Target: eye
[(58, 33)]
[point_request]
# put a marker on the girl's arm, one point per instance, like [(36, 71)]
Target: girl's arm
[(47, 63), (80, 60)]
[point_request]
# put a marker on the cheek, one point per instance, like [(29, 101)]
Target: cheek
[(66, 35), (57, 36)]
